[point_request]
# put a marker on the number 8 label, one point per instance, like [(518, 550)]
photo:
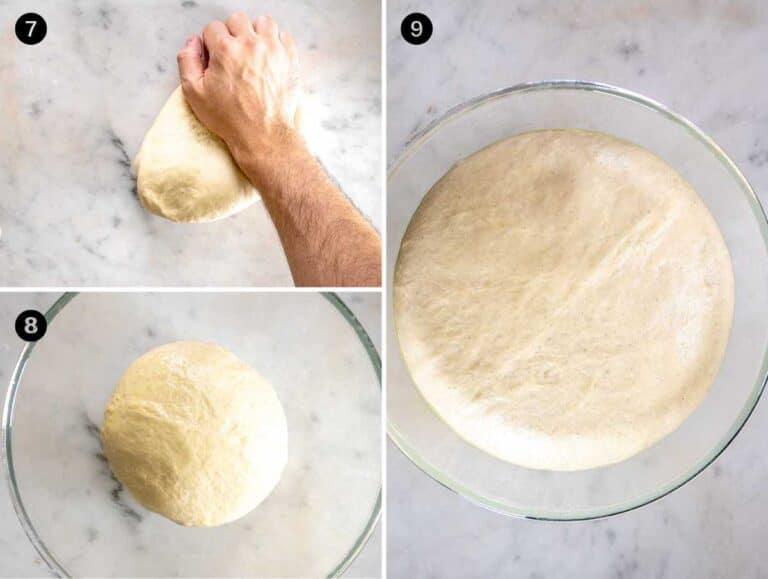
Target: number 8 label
[(31, 325)]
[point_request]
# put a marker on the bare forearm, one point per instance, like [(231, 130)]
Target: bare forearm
[(326, 240), (246, 92)]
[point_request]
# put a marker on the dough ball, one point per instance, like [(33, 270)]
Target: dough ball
[(195, 434), (563, 299), (185, 173)]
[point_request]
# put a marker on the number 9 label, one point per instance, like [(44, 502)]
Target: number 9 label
[(416, 28)]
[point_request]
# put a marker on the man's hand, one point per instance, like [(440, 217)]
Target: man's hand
[(242, 82)]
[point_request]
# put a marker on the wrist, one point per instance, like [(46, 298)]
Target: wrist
[(265, 154)]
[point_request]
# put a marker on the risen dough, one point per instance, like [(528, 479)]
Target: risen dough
[(195, 434), (563, 299), (184, 172)]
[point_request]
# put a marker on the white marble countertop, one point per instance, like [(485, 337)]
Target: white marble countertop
[(704, 60), (75, 109), (17, 556)]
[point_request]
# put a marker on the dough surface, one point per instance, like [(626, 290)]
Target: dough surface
[(185, 173), (563, 299), (195, 434)]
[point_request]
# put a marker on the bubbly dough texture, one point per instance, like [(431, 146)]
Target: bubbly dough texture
[(185, 173), (195, 434), (563, 299)]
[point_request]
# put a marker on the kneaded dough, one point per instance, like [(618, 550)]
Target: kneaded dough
[(563, 299), (195, 434), (185, 173)]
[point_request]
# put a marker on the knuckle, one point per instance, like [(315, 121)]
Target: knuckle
[(252, 42), (255, 45), (227, 47)]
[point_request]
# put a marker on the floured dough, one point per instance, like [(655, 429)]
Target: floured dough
[(195, 434), (563, 299), (184, 172)]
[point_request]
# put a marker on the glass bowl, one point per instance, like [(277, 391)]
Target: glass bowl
[(677, 458), (83, 522)]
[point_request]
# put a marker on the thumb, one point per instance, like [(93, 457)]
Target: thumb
[(190, 61)]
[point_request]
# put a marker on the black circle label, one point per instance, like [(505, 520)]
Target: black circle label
[(31, 325), (31, 28), (416, 28)]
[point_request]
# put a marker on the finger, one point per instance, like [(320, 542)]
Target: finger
[(190, 61), (266, 26), (290, 45), (215, 34), (240, 25)]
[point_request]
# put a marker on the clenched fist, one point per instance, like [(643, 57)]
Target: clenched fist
[(242, 82)]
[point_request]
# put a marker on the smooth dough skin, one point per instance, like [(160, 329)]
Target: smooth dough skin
[(563, 299), (195, 434), (185, 173)]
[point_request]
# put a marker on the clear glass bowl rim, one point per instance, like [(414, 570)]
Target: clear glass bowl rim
[(7, 437), (757, 209)]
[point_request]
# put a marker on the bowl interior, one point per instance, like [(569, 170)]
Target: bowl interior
[(435, 448), (325, 373)]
